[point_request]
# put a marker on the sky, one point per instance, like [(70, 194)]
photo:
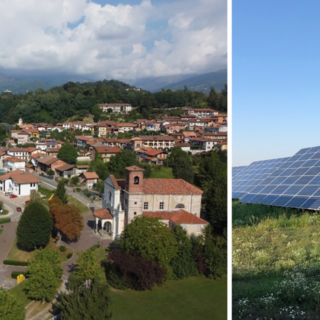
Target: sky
[(275, 79), (113, 39)]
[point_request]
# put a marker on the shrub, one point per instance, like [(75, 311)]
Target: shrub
[(116, 279), (138, 272), (63, 249), (14, 274), (78, 189), (95, 246), (5, 220), (15, 263), (69, 255)]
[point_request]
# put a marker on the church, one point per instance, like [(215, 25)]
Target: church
[(174, 201)]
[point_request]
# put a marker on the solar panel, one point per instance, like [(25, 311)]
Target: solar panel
[(245, 178), (292, 182)]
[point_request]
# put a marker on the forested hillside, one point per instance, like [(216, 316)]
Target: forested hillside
[(78, 99)]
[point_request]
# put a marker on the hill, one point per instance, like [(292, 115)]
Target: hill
[(201, 83)]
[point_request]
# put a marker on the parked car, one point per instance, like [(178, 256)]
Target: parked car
[(12, 196), (19, 209)]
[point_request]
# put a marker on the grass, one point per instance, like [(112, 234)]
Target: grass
[(18, 292), (79, 205), (276, 263), (4, 212), (20, 255), (162, 172), (189, 299), (1, 230)]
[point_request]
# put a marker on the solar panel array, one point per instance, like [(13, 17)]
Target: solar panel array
[(294, 183), (244, 180)]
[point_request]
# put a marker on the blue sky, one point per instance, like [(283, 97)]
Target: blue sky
[(275, 78)]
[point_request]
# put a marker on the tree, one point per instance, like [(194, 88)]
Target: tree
[(182, 169), (86, 303), (176, 152), (96, 112), (85, 271), (75, 180), (50, 172), (61, 192), (44, 273), (183, 264), (10, 307), (151, 238), (67, 219), (68, 153), (35, 226)]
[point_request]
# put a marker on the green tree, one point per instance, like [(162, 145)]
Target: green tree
[(183, 264), (44, 273), (68, 153), (10, 307), (61, 192), (175, 153), (85, 271), (75, 180), (96, 112), (182, 169), (86, 303), (50, 172), (35, 226), (151, 238)]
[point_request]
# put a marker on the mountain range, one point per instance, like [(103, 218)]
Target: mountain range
[(201, 83)]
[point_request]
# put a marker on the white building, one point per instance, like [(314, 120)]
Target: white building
[(116, 107)]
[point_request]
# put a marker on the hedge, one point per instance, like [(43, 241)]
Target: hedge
[(69, 255), (14, 274), (5, 220), (15, 263), (95, 246)]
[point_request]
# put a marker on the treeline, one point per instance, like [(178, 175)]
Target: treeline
[(78, 99)]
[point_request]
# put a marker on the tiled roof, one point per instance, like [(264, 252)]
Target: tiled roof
[(25, 178), (126, 125), (13, 160), (85, 166), (158, 138), (90, 175), (115, 182), (134, 168), (169, 186), (47, 160), (153, 152), (10, 174), (108, 149), (102, 213), (65, 167), (180, 216)]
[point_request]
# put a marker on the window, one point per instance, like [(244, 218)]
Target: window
[(146, 205), (180, 206), (161, 205), (135, 213), (136, 180)]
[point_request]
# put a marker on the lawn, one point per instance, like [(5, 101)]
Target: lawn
[(189, 299), (83, 208), (18, 291), (19, 255), (4, 212), (162, 172), (276, 263)]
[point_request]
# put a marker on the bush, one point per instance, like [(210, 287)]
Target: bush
[(63, 249), (69, 255), (78, 189), (14, 274), (116, 279), (15, 263), (138, 272), (95, 246), (5, 220)]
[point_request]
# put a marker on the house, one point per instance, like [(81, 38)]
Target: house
[(156, 142), (90, 178), (19, 183), (152, 156), (105, 152), (11, 164), (204, 143), (48, 162), (65, 170), (116, 107), (22, 153), (173, 200), (81, 168), (125, 127)]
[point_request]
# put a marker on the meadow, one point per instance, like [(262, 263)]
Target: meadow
[(276, 263)]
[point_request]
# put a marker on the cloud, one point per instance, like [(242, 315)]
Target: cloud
[(113, 41)]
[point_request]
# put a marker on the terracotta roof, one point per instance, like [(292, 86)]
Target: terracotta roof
[(10, 174), (126, 125), (180, 216), (13, 160), (54, 150), (115, 181), (65, 167), (85, 138), (25, 178), (134, 168), (153, 152), (159, 138), (90, 175), (121, 183), (85, 166), (102, 213), (169, 186), (108, 149), (36, 155), (47, 160)]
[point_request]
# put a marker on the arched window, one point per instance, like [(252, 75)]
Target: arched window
[(180, 206), (136, 180)]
